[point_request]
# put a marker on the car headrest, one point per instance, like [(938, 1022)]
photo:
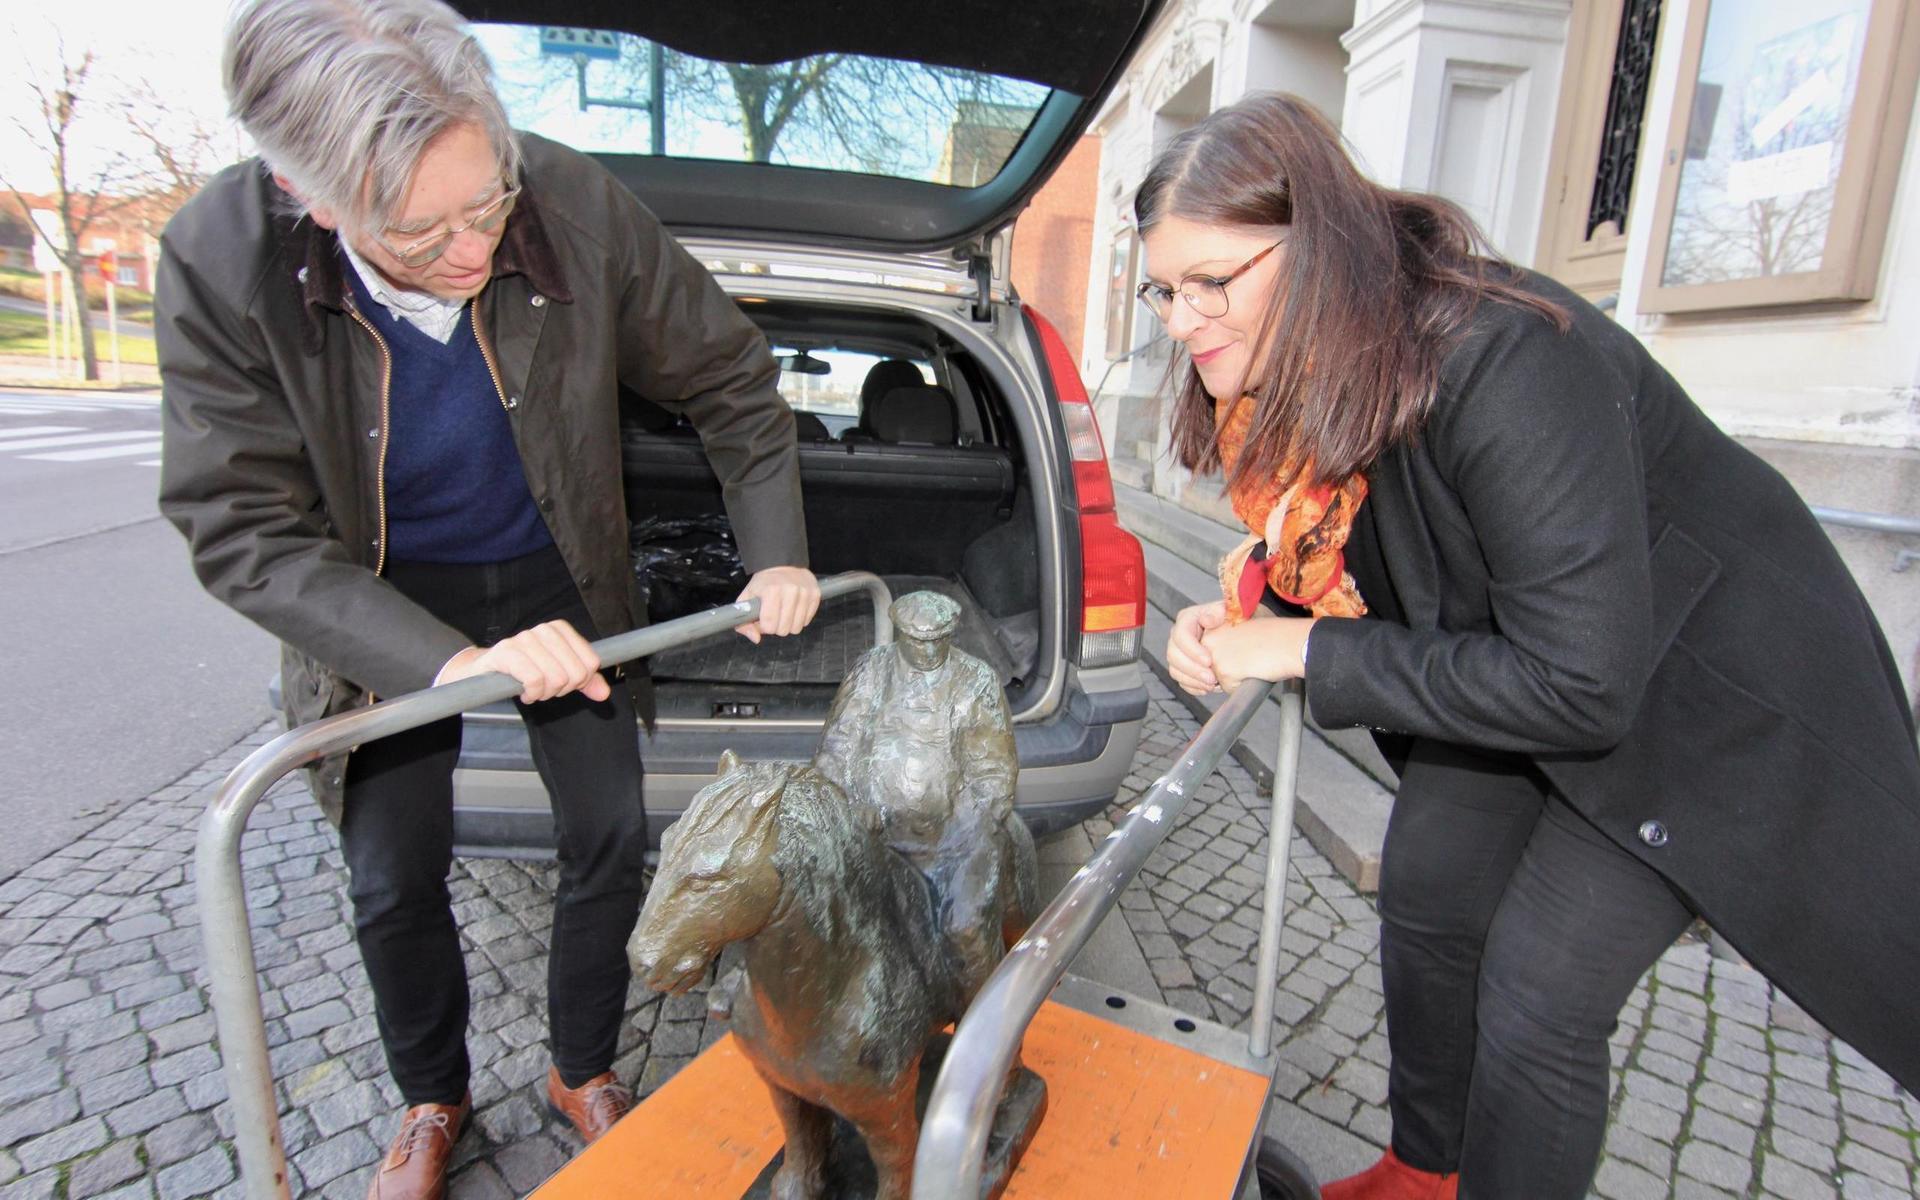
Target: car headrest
[(921, 414), (809, 428), (886, 375)]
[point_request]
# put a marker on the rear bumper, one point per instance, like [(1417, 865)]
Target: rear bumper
[(1071, 766)]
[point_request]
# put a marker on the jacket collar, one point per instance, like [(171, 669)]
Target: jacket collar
[(318, 264)]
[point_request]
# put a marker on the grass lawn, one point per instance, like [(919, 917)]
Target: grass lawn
[(134, 304), (25, 333)]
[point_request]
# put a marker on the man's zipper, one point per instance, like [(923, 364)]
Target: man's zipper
[(380, 475), (486, 352)]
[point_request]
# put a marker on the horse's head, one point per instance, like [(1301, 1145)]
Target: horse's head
[(717, 883)]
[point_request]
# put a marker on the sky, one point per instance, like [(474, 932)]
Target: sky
[(172, 44)]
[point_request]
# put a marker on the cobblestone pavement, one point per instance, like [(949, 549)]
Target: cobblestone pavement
[(110, 1084)]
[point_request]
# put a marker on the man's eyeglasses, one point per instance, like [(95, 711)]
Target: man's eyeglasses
[(1206, 293), (418, 254)]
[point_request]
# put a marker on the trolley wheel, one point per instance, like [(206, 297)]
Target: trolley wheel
[(1282, 1175)]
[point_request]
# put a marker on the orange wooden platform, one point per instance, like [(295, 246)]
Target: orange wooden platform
[(1127, 1115)]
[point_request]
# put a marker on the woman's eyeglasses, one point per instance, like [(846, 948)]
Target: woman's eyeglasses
[(1206, 293), (418, 254)]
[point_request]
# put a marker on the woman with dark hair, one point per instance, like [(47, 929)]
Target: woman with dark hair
[(1623, 676)]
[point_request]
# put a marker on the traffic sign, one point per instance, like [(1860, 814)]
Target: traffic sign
[(109, 268), (567, 41)]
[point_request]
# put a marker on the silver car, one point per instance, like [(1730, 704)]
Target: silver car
[(863, 219)]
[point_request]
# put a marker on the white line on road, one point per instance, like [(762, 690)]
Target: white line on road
[(97, 452), (31, 430), (76, 439), (15, 403)]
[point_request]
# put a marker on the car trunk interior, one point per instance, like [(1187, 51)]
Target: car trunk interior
[(912, 469)]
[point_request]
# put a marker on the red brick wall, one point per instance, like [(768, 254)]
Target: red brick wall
[(1053, 243)]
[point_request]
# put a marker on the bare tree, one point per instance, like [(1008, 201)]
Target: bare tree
[(838, 110), (846, 110), (768, 96), (51, 130), (185, 148)]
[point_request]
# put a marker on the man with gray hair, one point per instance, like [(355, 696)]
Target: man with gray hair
[(391, 350)]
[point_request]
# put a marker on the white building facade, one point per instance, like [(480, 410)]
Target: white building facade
[(1737, 181)]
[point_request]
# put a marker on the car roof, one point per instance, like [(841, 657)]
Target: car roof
[(1075, 49)]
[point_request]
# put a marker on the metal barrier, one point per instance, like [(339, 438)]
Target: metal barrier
[(959, 1118), (1878, 522), (226, 931)]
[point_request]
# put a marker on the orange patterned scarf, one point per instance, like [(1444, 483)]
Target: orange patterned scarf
[(1301, 555)]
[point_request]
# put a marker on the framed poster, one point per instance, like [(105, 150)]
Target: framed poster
[(1779, 169)]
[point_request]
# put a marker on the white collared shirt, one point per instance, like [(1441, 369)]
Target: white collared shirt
[(431, 315)]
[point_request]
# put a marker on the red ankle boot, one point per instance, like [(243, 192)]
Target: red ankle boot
[(1391, 1179)]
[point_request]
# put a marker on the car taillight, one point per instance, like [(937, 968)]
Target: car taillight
[(1113, 573)]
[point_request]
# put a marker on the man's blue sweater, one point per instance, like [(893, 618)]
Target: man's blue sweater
[(456, 492)]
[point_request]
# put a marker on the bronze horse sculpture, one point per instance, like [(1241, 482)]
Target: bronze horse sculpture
[(847, 974)]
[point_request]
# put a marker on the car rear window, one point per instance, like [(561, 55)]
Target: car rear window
[(832, 394), (598, 90)]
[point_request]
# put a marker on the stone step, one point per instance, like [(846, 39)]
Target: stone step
[(1195, 539), (1131, 473), (1345, 787)]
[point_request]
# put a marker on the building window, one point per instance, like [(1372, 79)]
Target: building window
[(1626, 107), (1787, 138), (1596, 157), (1122, 265), (127, 276)]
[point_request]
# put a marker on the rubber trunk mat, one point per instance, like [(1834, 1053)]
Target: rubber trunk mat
[(827, 649)]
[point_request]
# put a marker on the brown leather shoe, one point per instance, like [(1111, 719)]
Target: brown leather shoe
[(415, 1167), (593, 1107)]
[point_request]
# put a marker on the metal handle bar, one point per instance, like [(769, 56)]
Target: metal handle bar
[(225, 929), (1881, 522), (954, 1133)]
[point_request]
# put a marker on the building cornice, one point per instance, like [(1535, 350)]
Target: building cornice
[(1538, 21)]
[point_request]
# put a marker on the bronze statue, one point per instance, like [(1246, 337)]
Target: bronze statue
[(845, 977), (872, 892), (920, 731)]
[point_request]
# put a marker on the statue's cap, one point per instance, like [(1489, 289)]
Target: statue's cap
[(925, 616)]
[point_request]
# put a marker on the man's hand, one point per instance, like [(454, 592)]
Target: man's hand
[(789, 596), (1188, 661), (549, 660)]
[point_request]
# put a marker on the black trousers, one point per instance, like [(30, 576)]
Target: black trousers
[(397, 838), (1512, 932)]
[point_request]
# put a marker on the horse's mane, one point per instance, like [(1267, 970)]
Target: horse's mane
[(839, 872)]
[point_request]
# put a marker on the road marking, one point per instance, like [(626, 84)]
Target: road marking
[(75, 439), (16, 402), (152, 462), (97, 452), (31, 430)]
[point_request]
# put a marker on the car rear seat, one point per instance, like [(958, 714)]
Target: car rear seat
[(922, 414), (905, 498), (882, 378)]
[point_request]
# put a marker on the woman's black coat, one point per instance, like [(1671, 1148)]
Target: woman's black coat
[(1577, 565)]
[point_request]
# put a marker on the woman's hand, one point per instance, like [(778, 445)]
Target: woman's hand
[(1258, 649), (789, 596), (1188, 659), (549, 660)]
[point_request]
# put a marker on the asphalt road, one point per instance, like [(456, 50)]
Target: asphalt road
[(122, 675)]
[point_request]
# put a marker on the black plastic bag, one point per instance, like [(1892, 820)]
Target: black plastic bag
[(685, 564)]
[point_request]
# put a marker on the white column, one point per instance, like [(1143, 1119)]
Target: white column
[(1458, 98)]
